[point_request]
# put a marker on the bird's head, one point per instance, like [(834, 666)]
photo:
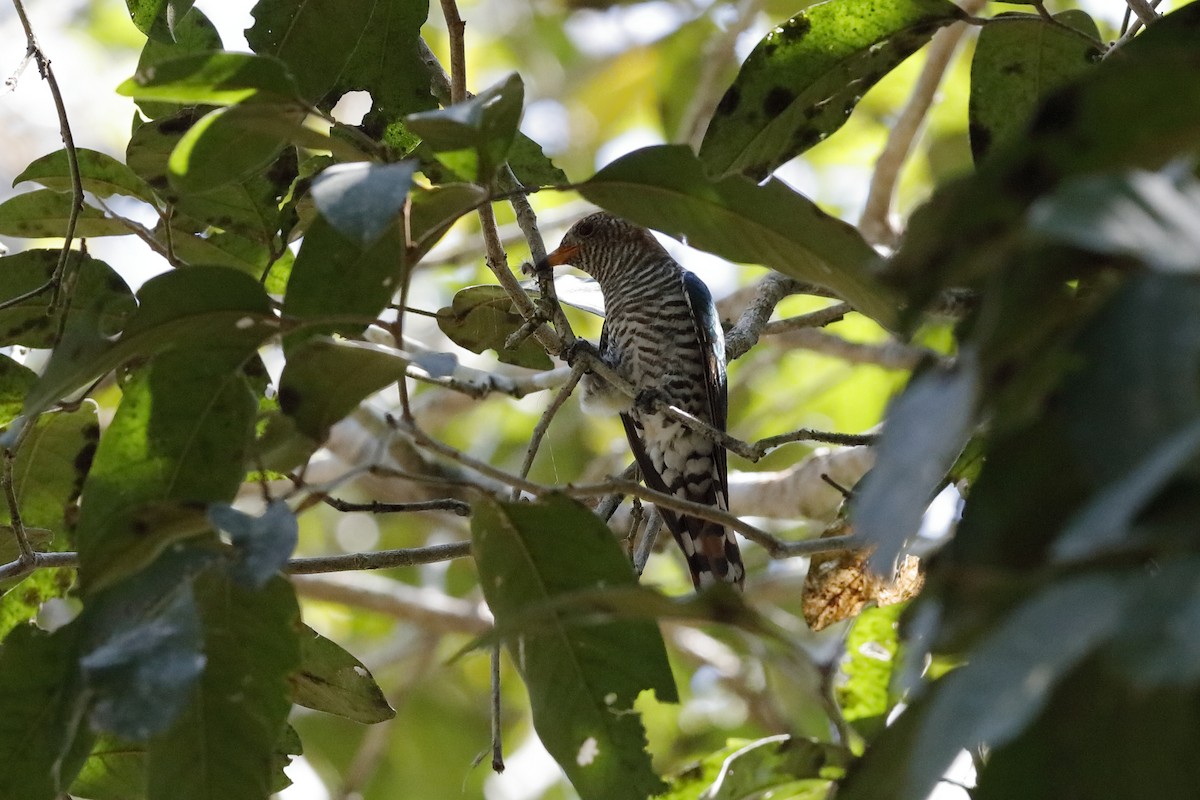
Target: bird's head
[(604, 246)]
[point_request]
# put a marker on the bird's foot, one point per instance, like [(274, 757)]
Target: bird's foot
[(579, 348)]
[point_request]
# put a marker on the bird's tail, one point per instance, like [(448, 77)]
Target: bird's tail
[(712, 552)]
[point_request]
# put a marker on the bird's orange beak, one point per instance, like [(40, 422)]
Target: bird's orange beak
[(563, 255)]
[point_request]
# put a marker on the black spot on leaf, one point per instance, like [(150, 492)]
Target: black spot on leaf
[(794, 29), (1058, 113), (777, 101)]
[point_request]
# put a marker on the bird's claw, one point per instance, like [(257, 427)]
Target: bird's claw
[(572, 352)]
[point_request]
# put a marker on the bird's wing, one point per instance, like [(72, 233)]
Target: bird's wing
[(708, 331)]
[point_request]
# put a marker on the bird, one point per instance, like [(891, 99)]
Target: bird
[(661, 333)]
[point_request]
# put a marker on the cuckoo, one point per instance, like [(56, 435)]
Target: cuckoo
[(661, 333)]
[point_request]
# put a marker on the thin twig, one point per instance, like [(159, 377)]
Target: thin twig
[(813, 319), (27, 556), (543, 425), (379, 559), (428, 608), (497, 708), (875, 223), (459, 507), (64, 128)]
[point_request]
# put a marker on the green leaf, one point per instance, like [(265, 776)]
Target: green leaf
[(531, 166), (43, 213), (15, 382), (194, 33), (218, 150), (42, 740), (362, 200), (332, 680), (158, 18), (777, 766), (250, 207), (665, 188), (926, 428), (435, 209), (51, 467), (864, 695), (802, 81), (1153, 217), (115, 770), (325, 379), (482, 318), (479, 130), (213, 78), (582, 679), (20, 603), (178, 442), (963, 233), (142, 649), (100, 174), (211, 307), (1156, 646), (262, 544), (232, 250), (226, 740), (334, 47), (1018, 59), (334, 277), (1010, 677), (101, 302)]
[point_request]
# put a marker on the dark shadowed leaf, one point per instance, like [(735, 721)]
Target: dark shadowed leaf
[(1018, 59), (666, 188), (249, 207), (1153, 217), (785, 766), (212, 307), (926, 428), (219, 150), (583, 678), (434, 210), (262, 544), (362, 200), (474, 136), (334, 277), (482, 318), (214, 78), (43, 736), (802, 81), (332, 680), (325, 379), (333, 47), (100, 174), (142, 649), (100, 306), (43, 213), (177, 443), (1010, 677), (226, 739)]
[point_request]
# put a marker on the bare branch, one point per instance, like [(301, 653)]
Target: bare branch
[(376, 507), (427, 608), (543, 425), (890, 354), (875, 223), (64, 127)]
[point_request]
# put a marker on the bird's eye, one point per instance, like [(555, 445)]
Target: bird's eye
[(585, 229)]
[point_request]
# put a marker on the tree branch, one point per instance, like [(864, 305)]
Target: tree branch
[(875, 223)]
